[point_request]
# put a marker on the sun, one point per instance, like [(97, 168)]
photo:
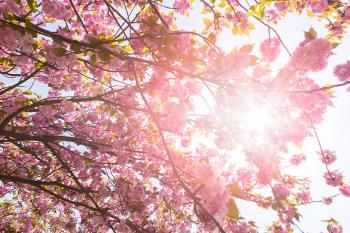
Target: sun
[(258, 119)]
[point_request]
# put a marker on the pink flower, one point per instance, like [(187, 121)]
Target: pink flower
[(345, 190), (271, 15), (347, 13), (28, 226), (270, 48), (174, 117), (311, 55), (9, 38), (9, 6), (333, 178), (342, 71), (289, 212), (280, 191), (281, 6), (213, 192), (304, 197), (54, 9), (318, 6), (206, 173), (259, 72), (241, 227), (237, 63), (264, 176), (240, 19), (328, 157), (334, 228), (3, 190), (337, 29), (181, 6), (67, 106), (327, 200), (297, 159), (244, 175), (185, 142)]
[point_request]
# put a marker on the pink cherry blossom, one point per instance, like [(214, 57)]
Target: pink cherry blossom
[(342, 71), (328, 157), (347, 13), (335, 229), (174, 118), (345, 190), (54, 9), (318, 6), (280, 191), (311, 56), (270, 48), (297, 159), (327, 200), (333, 178), (181, 6), (281, 6)]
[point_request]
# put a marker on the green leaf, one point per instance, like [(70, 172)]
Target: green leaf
[(222, 4), (246, 48), (39, 64), (9, 16), (144, 222), (41, 53), (4, 62), (76, 48), (311, 34), (251, 11), (28, 92), (233, 212), (93, 58), (334, 45), (35, 46), (60, 52), (260, 12), (206, 21), (31, 4), (257, 10), (29, 25), (128, 48), (235, 190), (104, 56), (167, 205)]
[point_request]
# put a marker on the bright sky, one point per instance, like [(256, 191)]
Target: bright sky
[(334, 132)]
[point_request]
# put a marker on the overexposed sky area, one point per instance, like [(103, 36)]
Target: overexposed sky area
[(334, 132)]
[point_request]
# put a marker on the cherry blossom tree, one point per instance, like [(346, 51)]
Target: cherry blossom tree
[(114, 119)]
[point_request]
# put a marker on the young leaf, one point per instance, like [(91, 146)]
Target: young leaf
[(60, 52), (235, 190), (233, 212), (246, 48), (311, 34)]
